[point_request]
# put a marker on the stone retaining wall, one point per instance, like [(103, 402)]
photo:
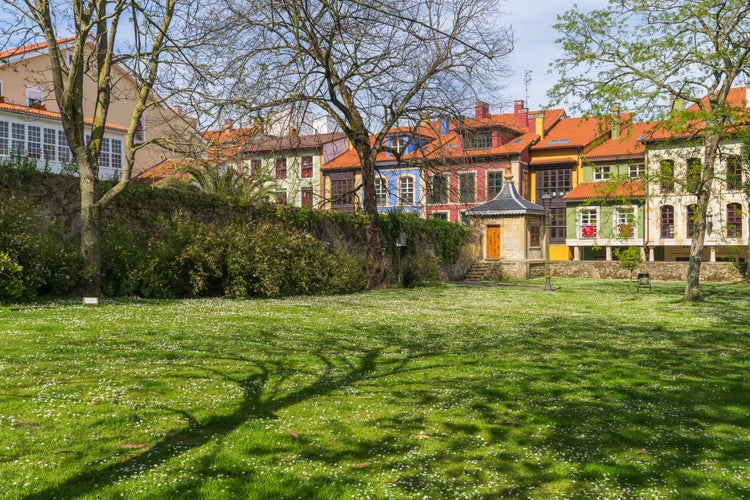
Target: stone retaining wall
[(664, 271)]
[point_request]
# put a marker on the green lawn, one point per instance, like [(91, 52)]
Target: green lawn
[(593, 390)]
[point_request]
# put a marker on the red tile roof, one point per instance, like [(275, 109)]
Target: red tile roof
[(607, 190), (16, 108), (578, 132), (17, 51), (629, 143)]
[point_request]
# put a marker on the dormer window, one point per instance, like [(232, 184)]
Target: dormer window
[(478, 140), (398, 144), (34, 96)]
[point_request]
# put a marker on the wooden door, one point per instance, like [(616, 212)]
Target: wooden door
[(493, 242)]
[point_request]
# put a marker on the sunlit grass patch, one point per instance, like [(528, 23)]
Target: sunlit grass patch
[(442, 392)]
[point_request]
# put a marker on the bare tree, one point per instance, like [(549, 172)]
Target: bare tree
[(97, 28), (369, 65), (648, 53)]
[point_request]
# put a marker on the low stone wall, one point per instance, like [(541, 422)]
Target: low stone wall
[(664, 271)]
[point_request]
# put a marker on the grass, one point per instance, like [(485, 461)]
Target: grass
[(445, 392)]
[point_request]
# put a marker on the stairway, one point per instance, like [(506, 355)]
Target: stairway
[(478, 271)]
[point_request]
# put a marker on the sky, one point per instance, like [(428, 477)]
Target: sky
[(535, 46)]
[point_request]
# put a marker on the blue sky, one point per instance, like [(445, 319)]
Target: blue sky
[(535, 46)]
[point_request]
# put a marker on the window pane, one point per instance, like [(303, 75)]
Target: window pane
[(467, 187), (494, 184), (439, 192), (406, 190)]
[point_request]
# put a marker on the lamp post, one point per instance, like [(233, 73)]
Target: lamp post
[(546, 202)]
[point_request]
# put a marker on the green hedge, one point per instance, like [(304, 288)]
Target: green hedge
[(174, 243)]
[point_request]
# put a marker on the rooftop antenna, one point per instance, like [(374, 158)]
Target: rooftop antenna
[(526, 82)]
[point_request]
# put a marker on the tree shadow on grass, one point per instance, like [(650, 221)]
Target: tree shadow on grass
[(258, 401)]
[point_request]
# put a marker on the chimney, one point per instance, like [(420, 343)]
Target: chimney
[(616, 120), (227, 124), (293, 133), (536, 123), (481, 110), (517, 106), (678, 104), (523, 118)]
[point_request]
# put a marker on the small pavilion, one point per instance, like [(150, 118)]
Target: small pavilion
[(513, 232)]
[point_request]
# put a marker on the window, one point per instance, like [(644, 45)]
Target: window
[(439, 215), (636, 171), (467, 187), (280, 168), (34, 96), (690, 220), (535, 236), (734, 220), (666, 176), (4, 138), (1, 89), (307, 166), (693, 177), (255, 166), (50, 148), (398, 144), (116, 153), (306, 196), (281, 196), (602, 173), (34, 145), (439, 191), (667, 221), (381, 191), (341, 192), (494, 184), (140, 131), (557, 224), (18, 138), (104, 156), (63, 149), (734, 173), (555, 182), (625, 219), (589, 217), (477, 140), (406, 190)]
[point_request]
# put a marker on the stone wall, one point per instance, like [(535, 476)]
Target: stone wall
[(664, 271)]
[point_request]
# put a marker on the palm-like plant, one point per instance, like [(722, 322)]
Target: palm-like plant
[(229, 182)]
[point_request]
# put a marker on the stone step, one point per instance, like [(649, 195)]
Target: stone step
[(477, 271)]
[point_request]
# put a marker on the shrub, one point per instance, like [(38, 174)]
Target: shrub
[(11, 284), (49, 259)]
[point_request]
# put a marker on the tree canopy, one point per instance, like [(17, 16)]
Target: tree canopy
[(650, 54)]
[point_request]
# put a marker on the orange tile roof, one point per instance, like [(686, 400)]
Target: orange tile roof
[(737, 99), (17, 108), (17, 51), (578, 132), (607, 190), (627, 145), (168, 169)]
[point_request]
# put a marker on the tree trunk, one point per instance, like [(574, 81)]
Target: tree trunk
[(374, 261), (90, 237), (692, 290)]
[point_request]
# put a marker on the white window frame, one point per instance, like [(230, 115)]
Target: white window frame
[(406, 190), (625, 215), (637, 171), (34, 95), (602, 173), (4, 137), (49, 144), (381, 191), (588, 217)]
